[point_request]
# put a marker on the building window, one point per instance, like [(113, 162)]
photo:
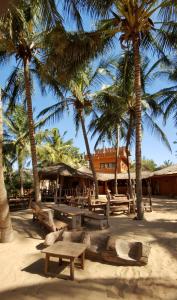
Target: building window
[(102, 166), (107, 165)]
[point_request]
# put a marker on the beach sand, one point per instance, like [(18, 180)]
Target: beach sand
[(22, 264)]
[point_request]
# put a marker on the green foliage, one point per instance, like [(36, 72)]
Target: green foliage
[(118, 102), (147, 165), (12, 181), (52, 149)]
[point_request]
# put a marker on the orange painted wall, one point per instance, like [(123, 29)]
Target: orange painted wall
[(164, 185), (107, 156)]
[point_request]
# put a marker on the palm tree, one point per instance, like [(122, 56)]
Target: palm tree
[(119, 103), (18, 136), (19, 37), (106, 108), (134, 22), (6, 231), (52, 149), (80, 99), (5, 221)]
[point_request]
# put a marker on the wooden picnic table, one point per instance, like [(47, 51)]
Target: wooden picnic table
[(65, 250), (20, 202), (74, 213)]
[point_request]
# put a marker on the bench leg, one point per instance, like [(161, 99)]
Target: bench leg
[(76, 222), (83, 260), (60, 261), (72, 268), (47, 258)]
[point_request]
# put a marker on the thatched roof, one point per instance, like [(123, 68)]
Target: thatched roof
[(62, 170), (123, 176), (84, 172), (171, 170)]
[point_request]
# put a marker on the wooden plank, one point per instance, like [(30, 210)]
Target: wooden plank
[(65, 249), (72, 268), (65, 209)]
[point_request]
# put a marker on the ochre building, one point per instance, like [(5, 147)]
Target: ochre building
[(104, 160)]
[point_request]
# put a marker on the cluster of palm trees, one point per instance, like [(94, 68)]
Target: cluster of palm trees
[(50, 146), (34, 35)]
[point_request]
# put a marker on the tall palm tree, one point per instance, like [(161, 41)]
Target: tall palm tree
[(6, 231), (109, 122), (20, 37), (16, 124), (79, 89), (119, 102), (5, 222), (135, 23)]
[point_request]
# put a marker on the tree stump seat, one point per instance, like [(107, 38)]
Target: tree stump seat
[(101, 219), (46, 218)]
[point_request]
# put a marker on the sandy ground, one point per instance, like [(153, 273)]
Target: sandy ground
[(22, 264)]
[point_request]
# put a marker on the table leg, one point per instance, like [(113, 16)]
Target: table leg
[(128, 208), (83, 260), (76, 222), (47, 258), (72, 268)]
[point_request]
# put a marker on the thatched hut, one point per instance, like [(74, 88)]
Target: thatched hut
[(164, 181), (61, 179)]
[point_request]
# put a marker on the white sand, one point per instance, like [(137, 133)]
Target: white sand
[(21, 263)]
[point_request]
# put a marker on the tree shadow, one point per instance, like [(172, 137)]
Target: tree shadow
[(118, 288), (31, 229)]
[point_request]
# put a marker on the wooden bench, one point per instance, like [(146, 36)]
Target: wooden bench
[(120, 203), (46, 218), (19, 203), (101, 219)]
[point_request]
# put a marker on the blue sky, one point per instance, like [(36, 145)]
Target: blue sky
[(152, 148)]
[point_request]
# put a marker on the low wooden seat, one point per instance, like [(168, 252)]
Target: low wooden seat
[(101, 219)]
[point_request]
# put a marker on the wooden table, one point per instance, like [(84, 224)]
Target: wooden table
[(69, 211), (65, 250)]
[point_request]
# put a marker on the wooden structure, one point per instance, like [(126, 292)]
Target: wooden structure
[(164, 181), (108, 248), (68, 213), (65, 250), (104, 160), (46, 218), (65, 180), (19, 202), (60, 180)]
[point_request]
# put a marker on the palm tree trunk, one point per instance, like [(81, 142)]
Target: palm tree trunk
[(130, 188), (6, 231), (116, 159), (20, 169), (89, 156), (140, 206), (31, 130)]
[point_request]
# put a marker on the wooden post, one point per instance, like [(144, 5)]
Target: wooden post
[(72, 268), (108, 207), (83, 260), (56, 190), (61, 187)]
